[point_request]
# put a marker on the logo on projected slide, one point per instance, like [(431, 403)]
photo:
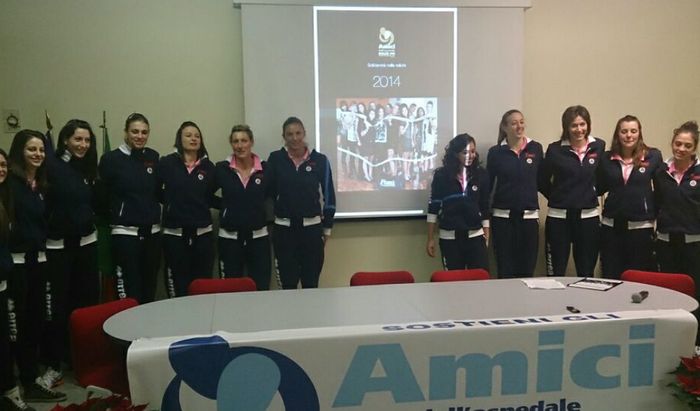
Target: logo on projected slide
[(387, 47), (237, 378)]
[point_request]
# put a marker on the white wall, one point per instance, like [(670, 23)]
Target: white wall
[(176, 60)]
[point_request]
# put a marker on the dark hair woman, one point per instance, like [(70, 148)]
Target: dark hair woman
[(128, 174), (301, 184), (188, 183), (513, 164), (244, 243), (625, 173), (459, 199), (26, 284), (567, 180), (71, 246), (9, 394), (677, 190)]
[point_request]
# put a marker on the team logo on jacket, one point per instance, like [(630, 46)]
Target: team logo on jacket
[(258, 181), (693, 183), (591, 161), (642, 169), (200, 176), (475, 188), (529, 161), (308, 168), (149, 170)]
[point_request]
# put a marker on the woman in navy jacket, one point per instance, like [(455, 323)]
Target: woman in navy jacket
[(627, 226), (513, 164), (244, 243), (9, 392), (71, 246), (188, 183), (677, 185), (301, 185), (567, 180), (459, 199), (129, 177), (27, 279)]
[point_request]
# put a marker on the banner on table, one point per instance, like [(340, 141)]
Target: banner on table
[(614, 360)]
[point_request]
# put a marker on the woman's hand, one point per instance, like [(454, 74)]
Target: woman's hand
[(430, 247)]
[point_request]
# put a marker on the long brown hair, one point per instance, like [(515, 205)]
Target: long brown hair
[(6, 206), (16, 160), (640, 149)]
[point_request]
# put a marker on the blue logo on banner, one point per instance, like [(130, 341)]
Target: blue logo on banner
[(237, 378)]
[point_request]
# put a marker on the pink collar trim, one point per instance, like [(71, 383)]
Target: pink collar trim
[(257, 163)]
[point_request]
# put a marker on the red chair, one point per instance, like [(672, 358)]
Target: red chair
[(97, 360), (221, 285), (460, 275), (381, 277), (679, 282)]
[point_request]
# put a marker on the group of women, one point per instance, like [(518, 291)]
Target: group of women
[(48, 239), (650, 218), (399, 139)]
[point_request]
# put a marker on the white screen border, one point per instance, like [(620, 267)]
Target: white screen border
[(317, 109)]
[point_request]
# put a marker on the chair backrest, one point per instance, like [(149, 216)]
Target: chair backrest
[(381, 277), (460, 275), (680, 282), (221, 285), (98, 360)]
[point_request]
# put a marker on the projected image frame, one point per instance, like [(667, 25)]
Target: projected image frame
[(385, 103)]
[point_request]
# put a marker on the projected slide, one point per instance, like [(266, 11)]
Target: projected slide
[(385, 103)]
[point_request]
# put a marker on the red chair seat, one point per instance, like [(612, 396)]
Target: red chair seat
[(460, 275), (679, 282), (221, 285), (381, 277)]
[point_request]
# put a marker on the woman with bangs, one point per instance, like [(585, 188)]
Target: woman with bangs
[(188, 182), (567, 180), (625, 173)]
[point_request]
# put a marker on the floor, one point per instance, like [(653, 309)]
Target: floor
[(76, 394)]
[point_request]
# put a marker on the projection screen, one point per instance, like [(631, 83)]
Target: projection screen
[(381, 89)]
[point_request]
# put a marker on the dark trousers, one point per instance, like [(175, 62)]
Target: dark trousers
[(622, 249), (515, 243), (136, 262), (298, 255), (464, 252), (240, 257), (679, 257), (187, 257), (72, 282), (7, 375), (560, 234), (27, 313)]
